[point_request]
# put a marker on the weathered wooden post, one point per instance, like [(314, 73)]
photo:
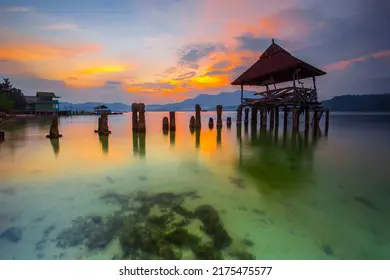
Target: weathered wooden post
[(239, 115), (219, 116), (211, 123), (197, 116), (229, 122), (307, 119), (263, 118), (165, 125), (103, 125), (54, 133), (272, 119), (285, 119), (134, 109), (192, 123), (246, 120), (141, 120), (277, 118), (315, 122), (326, 121), (2, 136), (295, 119), (254, 116), (172, 121)]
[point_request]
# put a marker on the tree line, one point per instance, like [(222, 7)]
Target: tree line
[(11, 98)]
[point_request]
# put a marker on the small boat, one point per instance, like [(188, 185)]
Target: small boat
[(204, 110)]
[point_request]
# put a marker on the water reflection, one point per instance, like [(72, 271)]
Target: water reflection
[(55, 143), (172, 138), (219, 136), (139, 142), (103, 139), (197, 138), (277, 167)]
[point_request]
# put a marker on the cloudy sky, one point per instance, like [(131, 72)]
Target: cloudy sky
[(159, 51)]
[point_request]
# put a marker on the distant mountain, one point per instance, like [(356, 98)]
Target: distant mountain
[(359, 103), (88, 106), (229, 100)]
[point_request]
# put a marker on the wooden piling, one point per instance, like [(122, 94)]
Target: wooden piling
[(326, 121), (229, 122), (254, 116), (211, 123), (141, 119), (272, 119), (295, 120), (134, 109), (285, 119), (192, 122), (246, 120), (219, 116), (172, 121), (315, 123), (263, 118), (54, 133), (276, 117), (165, 124), (307, 119), (197, 116), (2, 136), (239, 115)]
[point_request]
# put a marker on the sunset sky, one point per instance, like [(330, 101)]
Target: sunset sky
[(164, 51)]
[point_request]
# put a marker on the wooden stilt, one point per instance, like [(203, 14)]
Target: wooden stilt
[(272, 119), (307, 119), (263, 118), (326, 121), (277, 117), (254, 116), (246, 120), (315, 123), (239, 115), (295, 120), (285, 119)]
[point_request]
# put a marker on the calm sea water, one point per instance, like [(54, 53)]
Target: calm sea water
[(292, 197)]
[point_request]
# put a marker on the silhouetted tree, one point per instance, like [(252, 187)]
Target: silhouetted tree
[(11, 97)]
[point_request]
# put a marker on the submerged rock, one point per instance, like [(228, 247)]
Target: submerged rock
[(212, 226), (327, 250), (13, 234), (366, 203), (242, 255)]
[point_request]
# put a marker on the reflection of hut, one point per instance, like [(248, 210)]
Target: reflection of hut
[(277, 166), (101, 109)]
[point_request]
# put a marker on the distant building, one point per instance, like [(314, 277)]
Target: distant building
[(101, 109), (42, 103)]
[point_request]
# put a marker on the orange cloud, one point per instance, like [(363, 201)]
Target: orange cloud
[(104, 69), (33, 50), (345, 64)]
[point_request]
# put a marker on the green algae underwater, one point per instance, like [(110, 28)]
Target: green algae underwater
[(209, 194)]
